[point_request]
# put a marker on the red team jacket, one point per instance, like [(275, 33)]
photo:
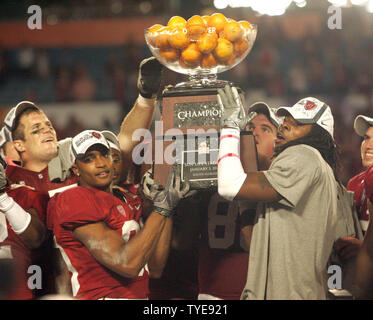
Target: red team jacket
[(358, 185), (79, 206), (40, 182), (11, 245)]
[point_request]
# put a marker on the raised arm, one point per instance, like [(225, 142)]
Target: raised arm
[(233, 182), (109, 248), (128, 258), (162, 204), (141, 115)]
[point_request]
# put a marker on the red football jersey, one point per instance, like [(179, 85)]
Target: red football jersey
[(79, 206), (357, 185), (38, 180), (222, 261), (12, 247)]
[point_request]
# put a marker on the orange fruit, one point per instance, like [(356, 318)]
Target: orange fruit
[(183, 64), (207, 42), (176, 22), (231, 60), (161, 38), (240, 46), (233, 31), (170, 54), (152, 32), (224, 49), (196, 27), (217, 21), (246, 25), (230, 20), (179, 38), (206, 19), (208, 61), (222, 35), (191, 55)]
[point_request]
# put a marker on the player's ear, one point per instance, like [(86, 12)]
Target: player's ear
[(19, 145), (75, 169)]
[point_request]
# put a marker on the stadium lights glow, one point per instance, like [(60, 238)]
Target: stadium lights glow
[(240, 3), (278, 7), (370, 6), (301, 4), (271, 7), (221, 4), (358, 2), (339, 3)]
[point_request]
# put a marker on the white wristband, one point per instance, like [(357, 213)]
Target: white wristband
[(145, 102), (229, 141), (18, 218)]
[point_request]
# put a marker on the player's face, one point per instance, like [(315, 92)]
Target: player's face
[(40, 142), (264, 133), (117, 166), (95, 168), (290, 130), (367, 148)]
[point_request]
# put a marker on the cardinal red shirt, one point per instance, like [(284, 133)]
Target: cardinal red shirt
[(38, 180), (11, 245), (79, 206), (357, 185)]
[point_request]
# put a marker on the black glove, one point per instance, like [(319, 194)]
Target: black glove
[(149, 79)]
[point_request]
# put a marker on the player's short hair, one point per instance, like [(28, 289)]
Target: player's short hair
[(18, 131)]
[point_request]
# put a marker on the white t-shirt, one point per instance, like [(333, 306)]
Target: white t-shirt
[(293, 238)]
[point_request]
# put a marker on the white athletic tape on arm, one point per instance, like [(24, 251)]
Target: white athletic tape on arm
[(18, 218), (231, 175), (145, 102)]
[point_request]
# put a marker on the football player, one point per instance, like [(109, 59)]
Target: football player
[(21, 230), (294, 234), (227, 226), (100, 236)]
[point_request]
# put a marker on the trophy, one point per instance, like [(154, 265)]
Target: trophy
[(200, 48)]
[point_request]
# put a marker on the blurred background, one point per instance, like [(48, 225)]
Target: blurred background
[(81, 67)]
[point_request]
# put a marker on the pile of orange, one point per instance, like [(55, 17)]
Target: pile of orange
[(204, 41)]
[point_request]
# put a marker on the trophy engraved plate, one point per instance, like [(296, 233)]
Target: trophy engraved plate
[(199, 164), (196, 114)]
